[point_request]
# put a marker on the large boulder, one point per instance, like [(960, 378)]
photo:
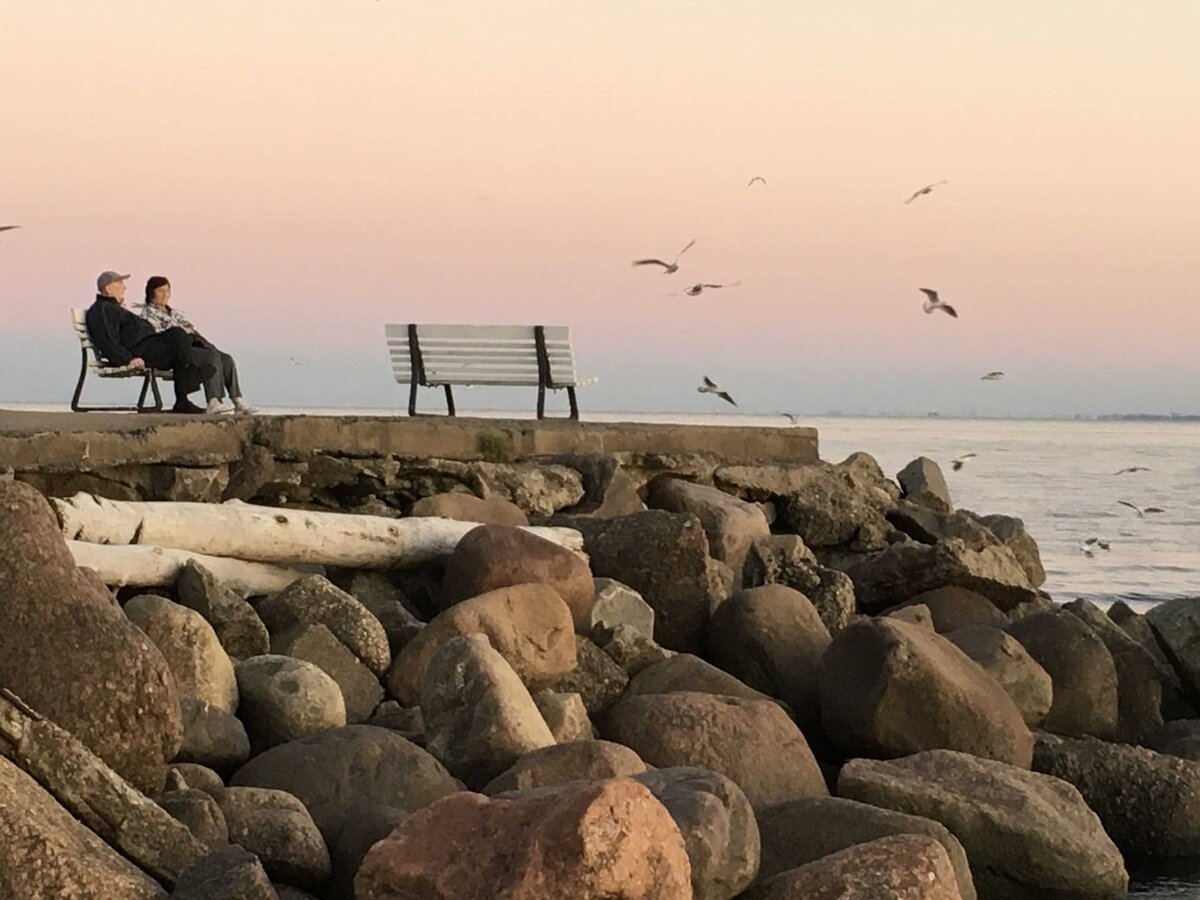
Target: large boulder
[(1081, 668), (899, 867), (928, 526), (616, 604), (1176, 624), (1025, 834), (284, 699), (315, 600), (904, 570), (528, 624), (499, 556), (237, 626), (664, 557), (46, 852), (212, 737), (199, 663), (200, 812), (953, 608), (718, 827), (1138, 627), (385, 600), (609, 489), (479, 718), (334, 772), (1149, 802), (565, 715), (784, 559), (465, 507), (772, 639), (564, 763), (802, 831), (1002, 656), (684, 672), (753, 742), (366, 828), (731, 525), (1011, 531), (275, 827), (890, 688), (596, 678), (609, 840), (316, 644), (227, 873), (69, 652), (922, 482)]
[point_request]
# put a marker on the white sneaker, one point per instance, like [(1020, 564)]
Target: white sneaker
[(241, 408), (213, 407)]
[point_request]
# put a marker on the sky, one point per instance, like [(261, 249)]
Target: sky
[(306, 171)]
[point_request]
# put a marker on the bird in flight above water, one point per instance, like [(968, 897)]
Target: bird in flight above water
[(756, 178), (991, 376), (8, 227), (697, 289), (1091, 545), (961, 461), (934, 303), (668, 267), (791, 417), (1132, 469), (1141, 513), (711, 387), (928, 189)]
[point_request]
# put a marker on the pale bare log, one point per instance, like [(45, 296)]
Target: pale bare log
[(143, 565), (273, 535)]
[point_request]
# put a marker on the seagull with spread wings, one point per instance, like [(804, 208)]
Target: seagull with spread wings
[(1141, 513), (711, 387), (933, 303), (8, 227), (1129, 469), (991, 376), (697, 289), (928, 189), (756, 178), (791, 417), (668, 267), (961, 461)]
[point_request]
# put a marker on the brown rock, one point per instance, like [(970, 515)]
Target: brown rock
[(500, 556), (752, 742), (606, 841), (889, 688), (68, 651), (237, 626), (565, 716), (922, 482), (1002, 656), (469, 508), (316, 644), (596, 677), (199, 812), (731, 525), (684, 672), (957, 607), (900, 867), (529, 625), (564, 763), (275, 827), (772, 639)]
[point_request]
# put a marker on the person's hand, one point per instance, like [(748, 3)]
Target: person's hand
[(137, 363)]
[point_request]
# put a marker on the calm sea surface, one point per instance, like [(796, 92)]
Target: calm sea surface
[(1059, 477)]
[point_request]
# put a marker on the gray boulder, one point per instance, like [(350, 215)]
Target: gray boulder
[(922, 482), (1081, 668), (1002, 656), (784, 559), (1025, 834), (1176, 624), (199, 812), (284, 699), (617, 604), (315, 600), (630, 649), (731, 525), (227, 873), (335, 772), (718, 827), (363, 831), (479, 717), (802, 831), (565, 716), (316, 644), (385, 600), (212, 737), (953, 608), (1011, 531), (596, 678), (275, 827), (239, 629), (890, 688), (181, 776)]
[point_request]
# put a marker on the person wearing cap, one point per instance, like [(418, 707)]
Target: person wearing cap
[(157, 310), (124, 339)]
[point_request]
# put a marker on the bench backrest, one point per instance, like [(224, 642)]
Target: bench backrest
[(482, 354), (79, 321)]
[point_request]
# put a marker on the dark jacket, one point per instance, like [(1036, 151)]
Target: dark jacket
[(115, 330)]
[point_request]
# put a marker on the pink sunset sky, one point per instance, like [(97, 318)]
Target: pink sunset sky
[(304, 172)]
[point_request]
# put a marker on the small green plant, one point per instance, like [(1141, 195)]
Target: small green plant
[(494, 446)]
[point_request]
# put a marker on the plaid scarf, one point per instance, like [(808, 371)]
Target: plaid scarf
[(162, 319)]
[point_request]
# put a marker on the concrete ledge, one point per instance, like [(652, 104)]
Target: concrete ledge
[(61, 442)]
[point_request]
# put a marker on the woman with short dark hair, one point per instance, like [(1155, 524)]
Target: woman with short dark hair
[(157, 310)]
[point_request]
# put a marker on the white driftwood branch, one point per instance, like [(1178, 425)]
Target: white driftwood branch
[(143, 565), (268, 534)]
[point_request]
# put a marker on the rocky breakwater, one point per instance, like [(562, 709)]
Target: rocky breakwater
[(739, 681)]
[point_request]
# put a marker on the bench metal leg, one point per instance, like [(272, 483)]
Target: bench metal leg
[(449, 399), (541, 409), (76, 406), (412, 398), (574, 404), (149, 382)]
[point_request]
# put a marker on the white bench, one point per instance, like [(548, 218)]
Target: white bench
[(92, 360), (444, 355)]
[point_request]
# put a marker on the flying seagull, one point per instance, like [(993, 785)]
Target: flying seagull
[(1141, 513), (791, 417), (669, 268), (711, 387), (933, 303), (957, 464), (925, 190), (1132, 469), (1094, 542), (991, 376), (697, 289), (8, 227), (756, 178), (296, 362)]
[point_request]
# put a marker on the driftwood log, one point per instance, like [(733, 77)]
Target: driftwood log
[(142, 565), (241, 531)]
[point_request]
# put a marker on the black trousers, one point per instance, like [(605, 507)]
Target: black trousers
[(173, 349)]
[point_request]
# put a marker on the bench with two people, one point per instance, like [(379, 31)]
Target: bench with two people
[(160, 343)]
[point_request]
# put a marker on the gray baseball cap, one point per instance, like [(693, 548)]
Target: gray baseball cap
[(107, 278)]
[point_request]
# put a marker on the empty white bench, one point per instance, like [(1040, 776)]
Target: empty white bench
[(445, 355), (92, 360)]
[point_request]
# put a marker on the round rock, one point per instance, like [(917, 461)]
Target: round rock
[(284, 699)]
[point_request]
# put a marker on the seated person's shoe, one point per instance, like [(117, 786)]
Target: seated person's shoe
[(188, 407)]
